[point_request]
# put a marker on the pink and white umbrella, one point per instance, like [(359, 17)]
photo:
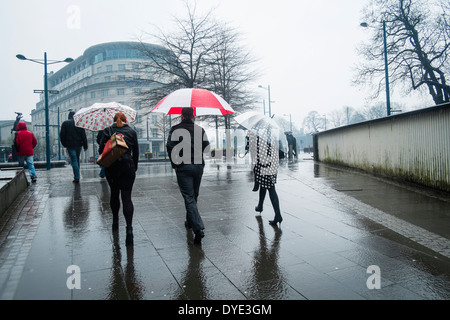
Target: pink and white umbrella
[(204, 102), (101, 115)]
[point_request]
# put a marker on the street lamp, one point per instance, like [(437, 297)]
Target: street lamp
[(388, 99), (47, 130), (290, 120), (268, 90)]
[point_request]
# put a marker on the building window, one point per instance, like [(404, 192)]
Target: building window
[(154, 119), (137, 105), (135, 66), (105, 92), (109, 68), (121, 67), (137, 90), (120, 92), (99, 69), (98, 58), (108, 79), (93, 95), (154, 133), (121, 78)]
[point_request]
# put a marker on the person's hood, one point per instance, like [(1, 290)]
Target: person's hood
[(71, 113), (21, 126)]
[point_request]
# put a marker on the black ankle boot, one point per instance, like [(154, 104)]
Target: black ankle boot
[(198, 237), (129, 239), (275, 221), (259, 208)]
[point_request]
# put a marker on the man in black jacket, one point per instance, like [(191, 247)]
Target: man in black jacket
[(73, 138), (186, 144)]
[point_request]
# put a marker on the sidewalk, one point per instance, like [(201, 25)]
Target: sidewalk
[(338, 228)]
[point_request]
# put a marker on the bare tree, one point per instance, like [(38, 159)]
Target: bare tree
[(418, 40), (336, 118), (181, 60), (313, 122), (230, 70), (374, 112), (201, 52)]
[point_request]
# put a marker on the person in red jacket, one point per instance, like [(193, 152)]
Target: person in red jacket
[(25, 143)]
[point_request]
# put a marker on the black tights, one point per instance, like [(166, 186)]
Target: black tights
[(128, 207), (273, 198), (121, 176)]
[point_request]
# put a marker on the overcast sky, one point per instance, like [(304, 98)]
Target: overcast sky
[(307, 49)]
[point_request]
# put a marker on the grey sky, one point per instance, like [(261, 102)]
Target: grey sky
[(306, 48)]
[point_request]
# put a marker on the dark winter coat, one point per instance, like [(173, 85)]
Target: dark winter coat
[(130, 137), (72, 136), (25, 140), (198, 143)]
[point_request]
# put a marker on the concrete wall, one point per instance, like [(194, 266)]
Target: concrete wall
[(14, 181), (412, 146)]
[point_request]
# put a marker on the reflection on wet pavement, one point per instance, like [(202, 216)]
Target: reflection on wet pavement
[(322, 251)]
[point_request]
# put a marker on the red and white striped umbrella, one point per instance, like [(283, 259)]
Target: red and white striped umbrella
[(101, 115), (204, 102)]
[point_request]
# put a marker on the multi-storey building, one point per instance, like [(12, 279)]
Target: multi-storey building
[(104, 73)]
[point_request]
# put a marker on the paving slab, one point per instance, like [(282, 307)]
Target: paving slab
[(337, 225)]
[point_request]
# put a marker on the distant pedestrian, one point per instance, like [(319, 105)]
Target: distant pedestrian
[(122, 174), (186, 144), (291, 141), (73, 138), (263, 145), (25, 143), (99, 140), (294, 147)]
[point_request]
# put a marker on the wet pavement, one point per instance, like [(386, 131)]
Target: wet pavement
[(345, 236)]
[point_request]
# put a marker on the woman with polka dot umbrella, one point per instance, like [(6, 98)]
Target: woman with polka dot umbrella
[(263, 142)]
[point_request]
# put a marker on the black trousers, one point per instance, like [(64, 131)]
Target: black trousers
[(120, 177), (189, 177)]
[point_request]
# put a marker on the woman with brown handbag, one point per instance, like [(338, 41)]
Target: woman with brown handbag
[(122, 174)]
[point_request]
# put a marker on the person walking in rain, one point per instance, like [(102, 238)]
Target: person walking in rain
[(186, 144), (291, 142), (25, 143), (263, 146), (122, 174), (73, 138), (99, 140)]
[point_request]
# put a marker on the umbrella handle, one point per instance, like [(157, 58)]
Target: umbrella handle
[(243, 155)]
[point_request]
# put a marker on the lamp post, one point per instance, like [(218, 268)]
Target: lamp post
[(290, 120), (47, 126), (268, 91), (325, 120), (386, 73)]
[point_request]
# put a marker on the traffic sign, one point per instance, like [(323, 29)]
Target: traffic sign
[(49, 91)]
